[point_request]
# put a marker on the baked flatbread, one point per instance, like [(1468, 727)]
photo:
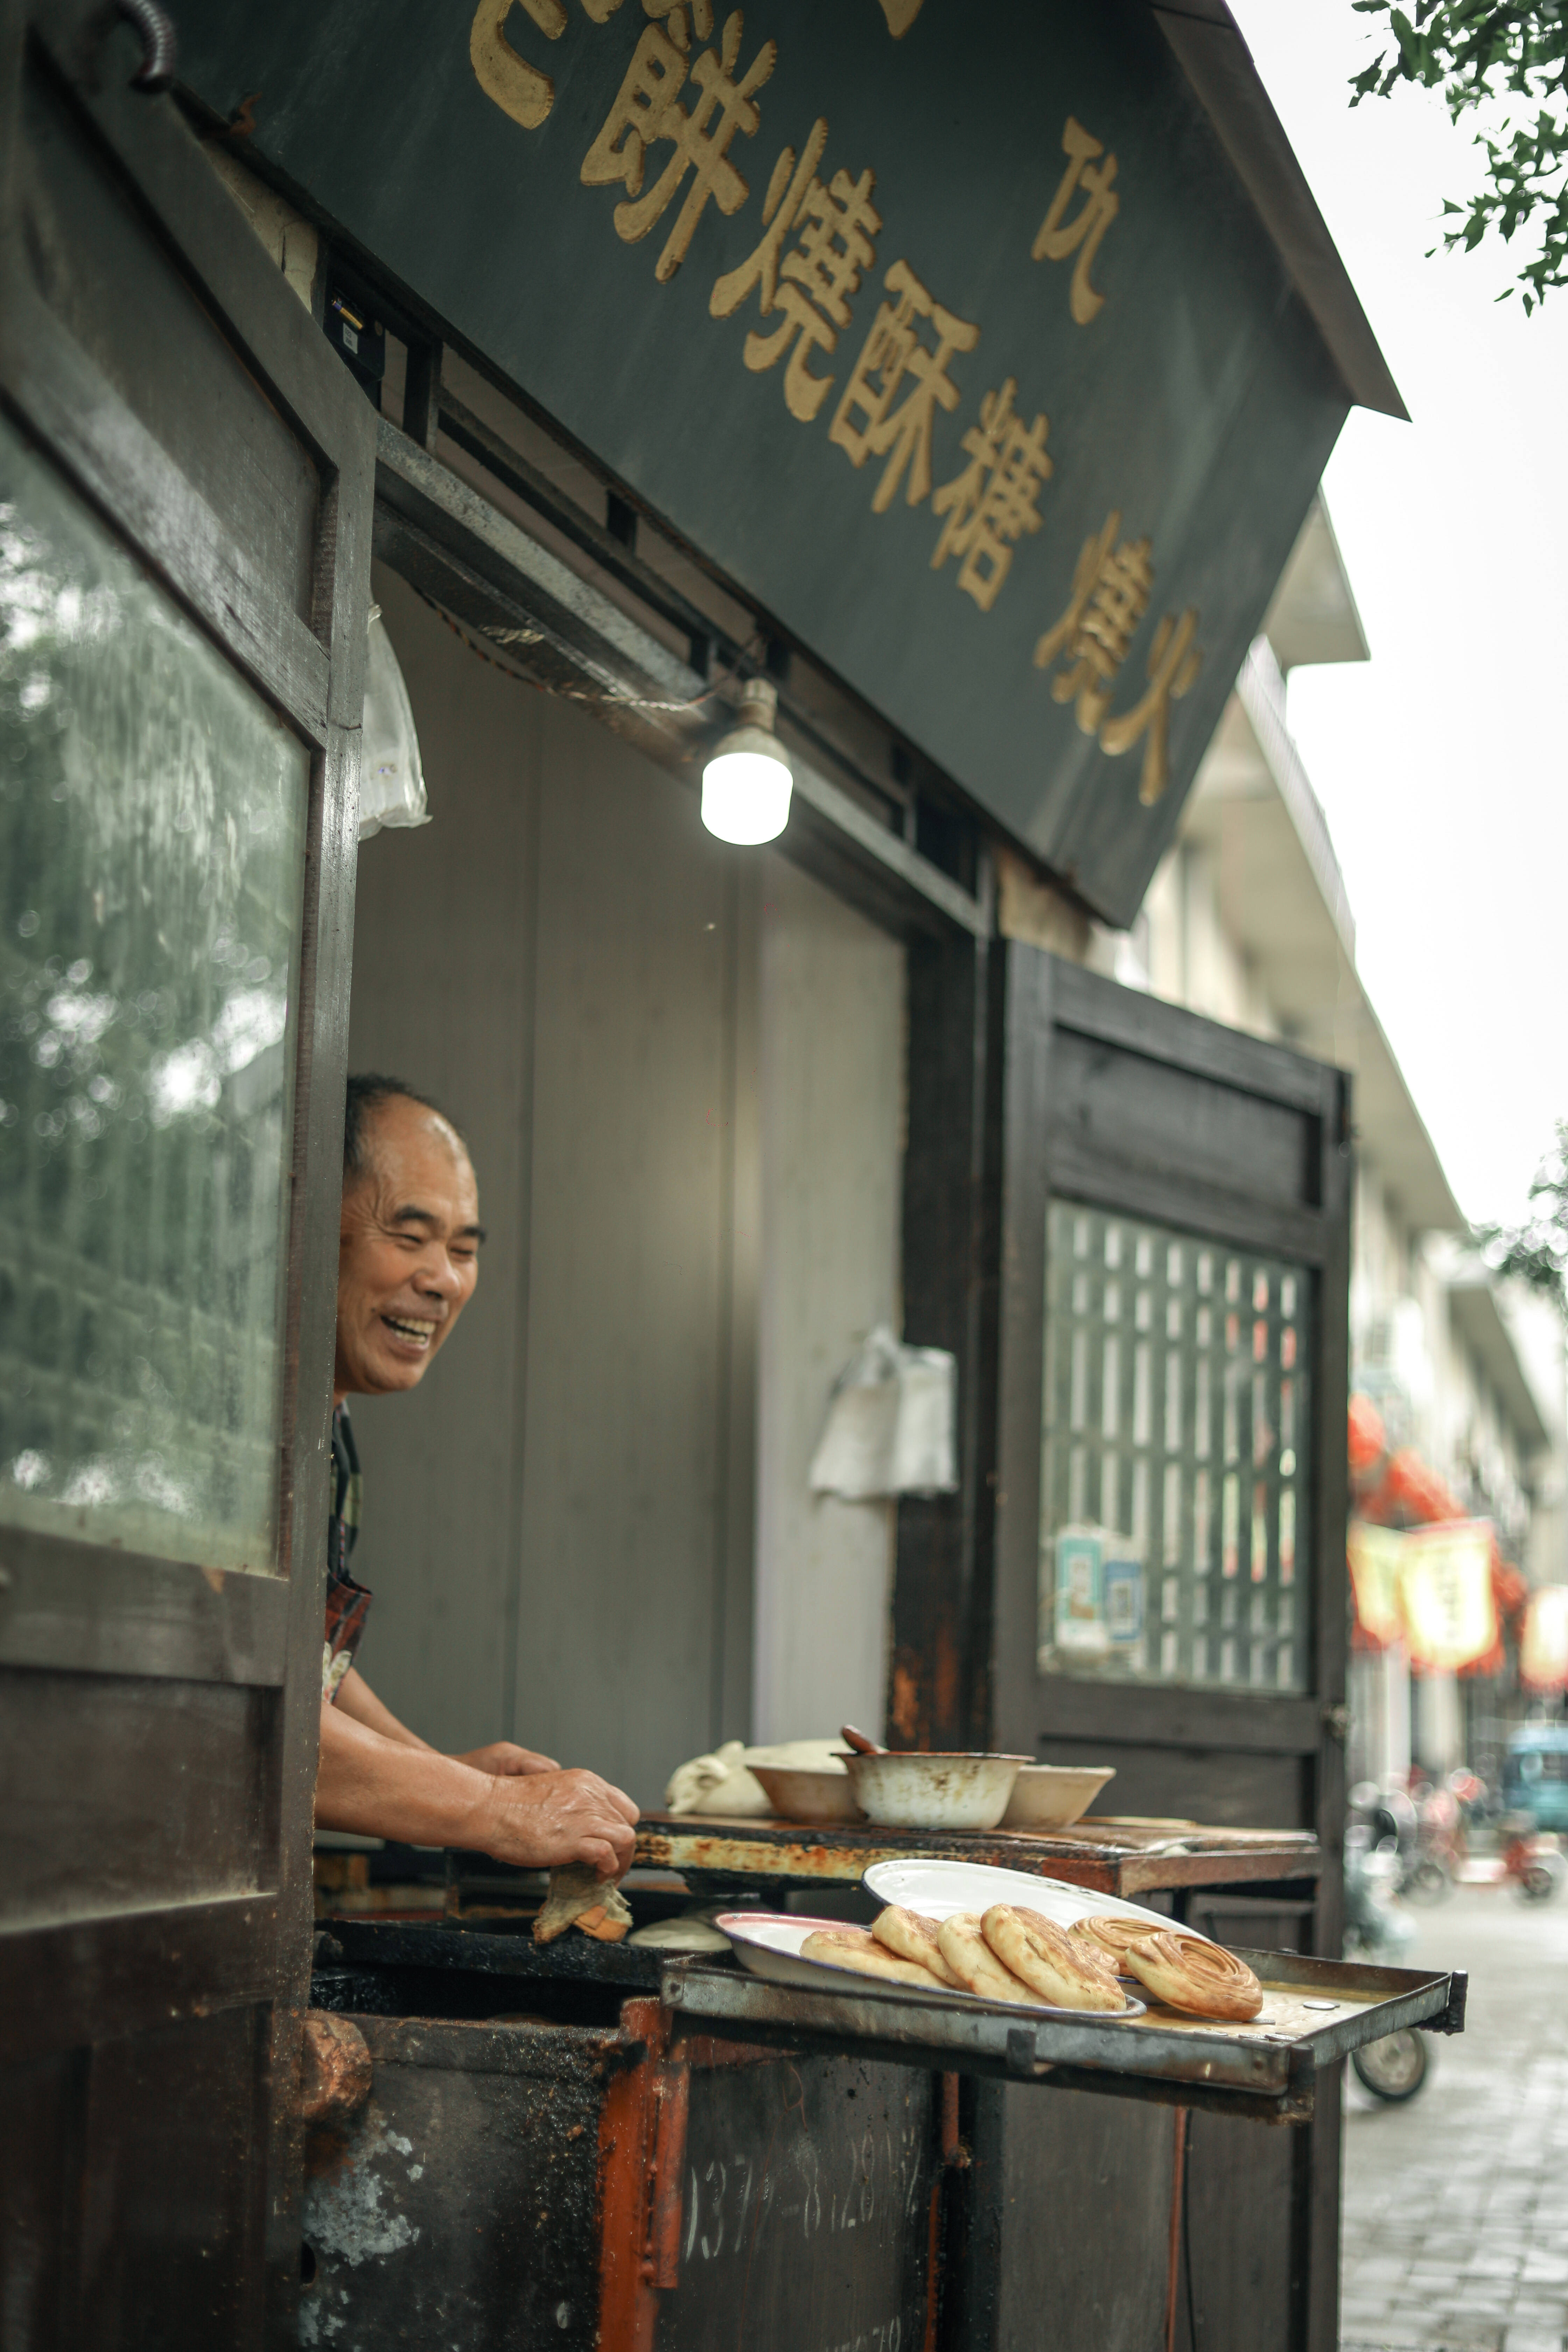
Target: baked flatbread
[(976, 1966), (1067, 1975), (913, 1937), (857, 1948)]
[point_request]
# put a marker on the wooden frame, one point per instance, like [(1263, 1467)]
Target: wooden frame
[(71, 1607)]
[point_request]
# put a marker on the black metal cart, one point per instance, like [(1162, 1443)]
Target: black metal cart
[(587, 2145)]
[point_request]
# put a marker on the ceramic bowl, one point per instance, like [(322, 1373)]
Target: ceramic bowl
[(1052, 1796), (933, 1793), (796, 1795)]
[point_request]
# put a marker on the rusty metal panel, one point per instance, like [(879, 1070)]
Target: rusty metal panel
[(524, 2185), (807, 2194), (461, 2204), (708, 1849)]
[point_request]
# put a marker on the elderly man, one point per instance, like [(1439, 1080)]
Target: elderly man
[(408, 1262)]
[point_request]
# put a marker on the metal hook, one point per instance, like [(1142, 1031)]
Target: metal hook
[(156, 71)]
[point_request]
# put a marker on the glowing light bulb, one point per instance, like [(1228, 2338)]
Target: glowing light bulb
[(747, 782)]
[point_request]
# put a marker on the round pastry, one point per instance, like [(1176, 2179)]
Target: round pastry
[(1187, 1972), (976, 1966), (1067, 1975), (857, 1948), (912, 1937), (1111, 1936)]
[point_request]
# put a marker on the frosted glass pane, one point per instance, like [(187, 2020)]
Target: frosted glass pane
[(152, 833), (1175, 1479)]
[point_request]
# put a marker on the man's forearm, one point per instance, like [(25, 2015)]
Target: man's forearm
[(356, 1698), (384, 1788), (537, 1820)]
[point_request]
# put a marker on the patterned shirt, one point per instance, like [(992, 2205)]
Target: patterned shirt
[(348, 1603)]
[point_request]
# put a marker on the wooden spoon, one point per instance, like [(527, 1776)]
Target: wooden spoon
[(859, 1741)]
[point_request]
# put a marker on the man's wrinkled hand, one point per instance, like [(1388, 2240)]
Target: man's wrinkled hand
[(540, 1820), (504, 1756)]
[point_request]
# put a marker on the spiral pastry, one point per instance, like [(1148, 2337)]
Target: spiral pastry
[(1187, 1972), (1067, 1974), (1110, 1937)]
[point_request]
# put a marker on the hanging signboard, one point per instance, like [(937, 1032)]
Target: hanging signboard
[(1376, 1559), (1445, 1584), (951, 335)]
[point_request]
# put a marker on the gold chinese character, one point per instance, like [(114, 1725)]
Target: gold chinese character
[(503, 74), (893, 351), (1174, 665), (1111, 592), (674, 13), (993, 501), (835, 226), (648, 109), (1087, 225)]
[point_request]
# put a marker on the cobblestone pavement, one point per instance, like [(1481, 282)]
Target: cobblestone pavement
[(1456, 2206)]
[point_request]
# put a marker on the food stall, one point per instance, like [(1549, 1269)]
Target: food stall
[(616, 2144), (389, 295)]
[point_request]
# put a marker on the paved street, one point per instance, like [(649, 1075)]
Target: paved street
[(1455, 2214)]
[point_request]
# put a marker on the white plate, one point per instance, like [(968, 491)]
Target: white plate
[(937, 1889), (769, 1942)]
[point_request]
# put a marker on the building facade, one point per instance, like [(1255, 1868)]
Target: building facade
[(1248, 921)]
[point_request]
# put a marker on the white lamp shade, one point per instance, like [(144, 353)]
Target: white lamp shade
[(746, 787)]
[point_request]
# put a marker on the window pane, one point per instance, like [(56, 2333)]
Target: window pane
[(1175, 1483), (152, 833)]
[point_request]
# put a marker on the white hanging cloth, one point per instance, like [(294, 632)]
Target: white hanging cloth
[(890, 1424), (391, 780)]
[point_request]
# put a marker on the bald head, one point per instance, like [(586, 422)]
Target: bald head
[(408, 1256)]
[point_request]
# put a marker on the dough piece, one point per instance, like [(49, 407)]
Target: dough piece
[(1066, 1974), (857, 1948), (976, 1966), (682, 1934), (913, 1937), (1110, 1937), (579, 1897), (1187, 1972)]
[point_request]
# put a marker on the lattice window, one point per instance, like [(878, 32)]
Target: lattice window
[(1173, 1539)]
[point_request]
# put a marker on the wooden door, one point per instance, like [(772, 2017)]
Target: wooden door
[(1171, 1473), (1175, 1268), (185, 504)]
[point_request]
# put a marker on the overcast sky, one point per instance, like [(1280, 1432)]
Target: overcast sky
[(1442, 763)]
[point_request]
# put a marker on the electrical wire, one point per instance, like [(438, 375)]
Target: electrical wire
[(609, 700)]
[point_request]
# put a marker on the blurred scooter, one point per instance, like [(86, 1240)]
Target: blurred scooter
[(1531, 1859), (1432, 1872), (1395, 2068)]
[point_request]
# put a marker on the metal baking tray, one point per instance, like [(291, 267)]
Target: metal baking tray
[(1266, 2068)]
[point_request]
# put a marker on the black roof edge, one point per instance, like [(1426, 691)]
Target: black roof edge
[(1212, 53)]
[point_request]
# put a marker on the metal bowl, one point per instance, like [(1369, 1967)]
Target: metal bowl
[(798, 1795), (933, 1793), (1052, 1796)]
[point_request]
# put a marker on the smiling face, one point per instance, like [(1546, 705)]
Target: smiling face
[(408, 1255)]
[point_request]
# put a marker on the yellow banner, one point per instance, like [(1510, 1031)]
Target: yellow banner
[(1374, 1558), (1446, 1583)]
